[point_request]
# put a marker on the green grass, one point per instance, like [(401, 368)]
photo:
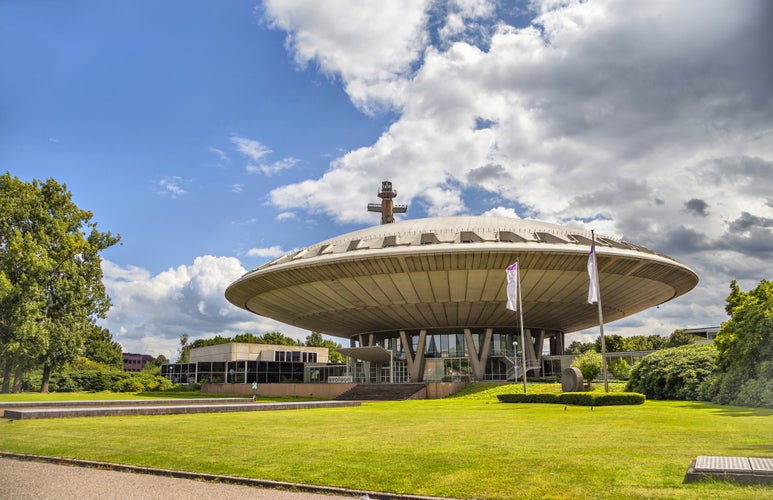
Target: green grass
[(465, 447)]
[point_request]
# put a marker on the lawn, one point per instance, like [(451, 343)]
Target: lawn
[(466, 447)]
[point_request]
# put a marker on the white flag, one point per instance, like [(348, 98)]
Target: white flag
[(512, 287), (593, 273)]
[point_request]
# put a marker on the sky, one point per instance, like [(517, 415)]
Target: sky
[(215, 136)]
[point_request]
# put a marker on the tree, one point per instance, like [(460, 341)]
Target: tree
[(577, 347), (620, 369), (745, 347), (613, 343), (100, 347), (316, 340), (52, 291), (278, 338), (184, 350), (679, 338), (589, 363), (639, 343)]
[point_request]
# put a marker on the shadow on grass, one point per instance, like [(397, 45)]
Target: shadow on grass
[(727, 411)]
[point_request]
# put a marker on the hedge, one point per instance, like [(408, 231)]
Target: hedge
[(618, 398), (577, 398), (528, 398)]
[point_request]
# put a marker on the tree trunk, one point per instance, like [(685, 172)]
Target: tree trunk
[(46, 377), (7, 376), (17, 378)]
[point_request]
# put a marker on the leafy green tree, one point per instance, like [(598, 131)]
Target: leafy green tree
[(577, 347), (277, 338), (316, 340), (745, 346), (656, 342), (248, 338), (183, 352), (674, 373), (613, 343), (679, 338), (620, 369), (638, 343), (101, 347), (52, 290), (589, 363)]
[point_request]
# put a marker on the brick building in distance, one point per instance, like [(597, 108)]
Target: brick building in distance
[(135, 362)]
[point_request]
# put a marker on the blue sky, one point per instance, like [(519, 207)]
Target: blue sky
[(214, 136)]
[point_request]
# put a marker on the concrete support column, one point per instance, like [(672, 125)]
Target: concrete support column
[(408, 348), (414, 360), (478, 359), (473, 355), (560, 339), (484, 350), (418, 361), (530, 356), (539, 342)]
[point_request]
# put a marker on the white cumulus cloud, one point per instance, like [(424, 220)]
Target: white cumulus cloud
[(607, 115), (150, 312)]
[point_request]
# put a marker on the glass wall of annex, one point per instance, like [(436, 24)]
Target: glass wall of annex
[(234, 372)]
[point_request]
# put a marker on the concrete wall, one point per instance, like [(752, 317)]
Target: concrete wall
[(327, 391), (240, 351), (440, 390)]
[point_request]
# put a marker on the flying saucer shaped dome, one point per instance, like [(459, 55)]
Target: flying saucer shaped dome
[(449, 272)]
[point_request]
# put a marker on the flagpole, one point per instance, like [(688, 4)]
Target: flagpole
[(520, 314), (601, 318)]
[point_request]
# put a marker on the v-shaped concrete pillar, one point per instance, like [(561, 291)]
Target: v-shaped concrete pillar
[(415, 361), (478, 360)]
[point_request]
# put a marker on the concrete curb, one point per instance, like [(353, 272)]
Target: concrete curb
[(199, 476)]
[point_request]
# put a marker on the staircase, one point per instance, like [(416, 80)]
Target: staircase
[(382, 392)]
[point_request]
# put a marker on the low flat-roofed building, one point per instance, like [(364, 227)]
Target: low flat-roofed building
[(239, 351)]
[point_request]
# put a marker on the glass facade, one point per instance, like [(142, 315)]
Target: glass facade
[(447, 358), (235, 372)]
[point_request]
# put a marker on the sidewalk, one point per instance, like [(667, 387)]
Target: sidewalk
[(23, 480)]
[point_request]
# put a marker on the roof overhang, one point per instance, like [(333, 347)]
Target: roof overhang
[(374, 354)]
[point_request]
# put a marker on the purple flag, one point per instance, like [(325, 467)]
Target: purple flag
[(512, 287)]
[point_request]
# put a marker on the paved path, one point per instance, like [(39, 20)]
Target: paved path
[(22, 480)]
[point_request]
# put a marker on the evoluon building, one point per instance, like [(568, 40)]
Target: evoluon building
[(424, 300)]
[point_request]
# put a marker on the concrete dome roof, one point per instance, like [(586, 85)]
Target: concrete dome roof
[(448, 272)]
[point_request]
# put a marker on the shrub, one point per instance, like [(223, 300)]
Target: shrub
[(618, 398), (675, 373), (620, 369), (65, 384), (734, 388), (528, 398), (132, 384), (159, 383), (589, 363), (576, 398)]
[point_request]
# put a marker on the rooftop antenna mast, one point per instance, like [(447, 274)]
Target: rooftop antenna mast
[(387, 208)]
